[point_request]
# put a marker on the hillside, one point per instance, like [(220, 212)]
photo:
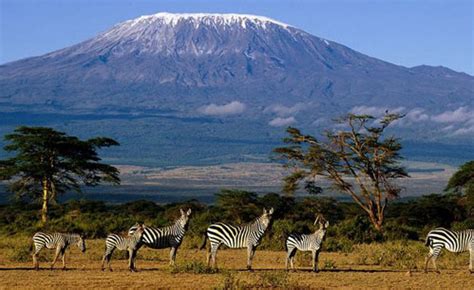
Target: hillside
[(218, 87)]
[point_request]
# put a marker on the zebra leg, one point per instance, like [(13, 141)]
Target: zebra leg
[(435, 266), (103, 262), (435, 255), (471, 259), (250, 254), (313, 253), (213, 254), (131, 260), (107, 257), (290, 258), (428, 258), (316, 261), (173, 256), (56, 256), (64, 260), (35, 258)]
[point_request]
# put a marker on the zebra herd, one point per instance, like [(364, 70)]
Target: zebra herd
[(244, 236)]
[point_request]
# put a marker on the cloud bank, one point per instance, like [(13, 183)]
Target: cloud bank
[(280, 122), (232, 108), (284, 111), (459, 121)]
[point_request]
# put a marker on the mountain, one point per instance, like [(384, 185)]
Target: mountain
[(228, 78)]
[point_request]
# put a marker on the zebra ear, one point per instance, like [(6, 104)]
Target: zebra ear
[(270, 212), (264, 211), (189, 212), (326, 224), (182, 211), (317, 219)]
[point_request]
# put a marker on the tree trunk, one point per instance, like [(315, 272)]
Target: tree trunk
[(376, 220), (44, 209)]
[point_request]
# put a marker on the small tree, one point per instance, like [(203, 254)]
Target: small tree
[(238, 205), (357, 161), (49, 163)]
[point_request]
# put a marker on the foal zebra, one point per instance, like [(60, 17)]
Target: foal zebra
[(170, 236), (56, 240), (306, 243), (129, 244), (453, 241), (244, 236)]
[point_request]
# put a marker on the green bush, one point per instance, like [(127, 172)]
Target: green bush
[(193, 267)]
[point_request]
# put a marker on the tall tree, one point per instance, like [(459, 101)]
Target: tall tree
[(463, 181), (356, 159), (48, 163)]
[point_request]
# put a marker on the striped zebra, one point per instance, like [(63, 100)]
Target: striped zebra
[(60, 242), (130, 244), (167, 237), (453, 241), (307, 243), (244, 236)]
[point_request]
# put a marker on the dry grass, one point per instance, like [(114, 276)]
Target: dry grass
[(369, 266)]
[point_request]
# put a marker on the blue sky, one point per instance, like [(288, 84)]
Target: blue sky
[(405, 32)]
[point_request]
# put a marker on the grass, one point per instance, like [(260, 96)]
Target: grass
[(367, 266)]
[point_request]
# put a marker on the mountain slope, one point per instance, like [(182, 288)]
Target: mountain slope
[(237, 77)]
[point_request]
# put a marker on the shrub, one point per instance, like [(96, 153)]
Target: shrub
[(194, 267)]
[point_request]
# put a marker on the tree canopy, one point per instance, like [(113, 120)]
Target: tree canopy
[(356, 159), (49, 162)]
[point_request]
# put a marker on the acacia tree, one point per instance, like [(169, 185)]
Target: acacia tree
[(357, 161), (48, 163), (462, 181)]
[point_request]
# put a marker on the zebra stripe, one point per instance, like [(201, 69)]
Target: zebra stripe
[(244, 236), (166, 237), (453, 241), (130, 244), (58, 241), (307, 243)]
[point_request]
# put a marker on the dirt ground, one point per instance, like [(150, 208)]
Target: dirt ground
[(337, 270)]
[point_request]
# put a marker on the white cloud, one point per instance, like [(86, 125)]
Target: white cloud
[(461, 114), (417, 115), (283, 111), (467, 130), (374, 110), (232, 108), (279, 122)]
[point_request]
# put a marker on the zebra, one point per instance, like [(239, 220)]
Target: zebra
[(166, 237), (59, 241), (453, 241), (311, 242), (244, 236), (129, 244)]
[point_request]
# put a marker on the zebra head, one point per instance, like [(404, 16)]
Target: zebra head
[(81, 243), (184, 218), (323, 223), (139, 230), (266, 217)]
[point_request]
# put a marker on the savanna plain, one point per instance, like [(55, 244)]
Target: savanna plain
[(375, 266)]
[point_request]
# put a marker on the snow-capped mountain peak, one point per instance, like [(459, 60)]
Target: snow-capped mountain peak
[(174, 19)]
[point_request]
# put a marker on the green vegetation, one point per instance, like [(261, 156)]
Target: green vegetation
[(49, 163), (405, 220), (193, 267), (357, 161)]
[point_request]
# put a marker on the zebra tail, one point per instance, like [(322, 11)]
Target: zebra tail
[(203, 245), (428, 241), (285, 237)]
